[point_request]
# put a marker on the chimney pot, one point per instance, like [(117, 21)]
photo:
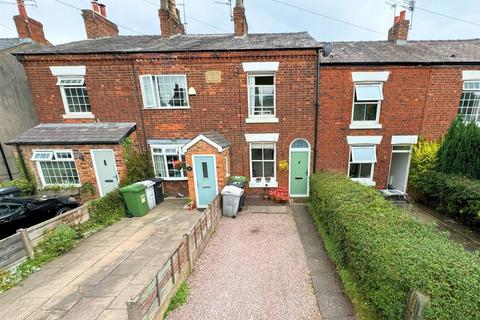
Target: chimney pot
[(21, 8), (103, 10), (398, 33)]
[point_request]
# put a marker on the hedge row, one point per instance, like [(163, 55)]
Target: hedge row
[(453, 195), (387, 252)]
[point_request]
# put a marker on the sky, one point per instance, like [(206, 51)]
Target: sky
[(64, 24)]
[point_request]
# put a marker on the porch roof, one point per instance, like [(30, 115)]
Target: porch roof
[(81, 133)]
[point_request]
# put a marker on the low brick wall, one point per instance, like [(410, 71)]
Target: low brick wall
[(154, 299)]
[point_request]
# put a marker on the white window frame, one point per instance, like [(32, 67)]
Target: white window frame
[(156, 91), (476, 116), (260, 182), (261, 118), (80, 84), (366, 124), (50, 159), (366, 181), (178, 153)]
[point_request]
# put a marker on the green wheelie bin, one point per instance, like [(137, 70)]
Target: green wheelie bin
[(136, 199)]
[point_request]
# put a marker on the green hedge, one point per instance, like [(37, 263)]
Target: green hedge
[(107, 210), (387, 252), (453, 195)]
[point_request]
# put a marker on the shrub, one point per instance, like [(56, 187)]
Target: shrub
[(107, 210), (26, 187), (453, 195), (139, 164), (460, 151), (424, 158), (387, 252), (58, 241)]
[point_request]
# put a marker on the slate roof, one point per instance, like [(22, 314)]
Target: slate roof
[(8, 43), (201, 42), (84, 133), (436, 52), (217, 138)]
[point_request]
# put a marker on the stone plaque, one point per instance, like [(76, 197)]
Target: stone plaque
[(213, 76)]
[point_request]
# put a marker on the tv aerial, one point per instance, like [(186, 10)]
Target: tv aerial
[(405, 4), (229, 4)]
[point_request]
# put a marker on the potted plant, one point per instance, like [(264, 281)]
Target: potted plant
[(178, 164)]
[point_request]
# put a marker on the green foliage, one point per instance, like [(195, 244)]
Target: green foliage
[(106, 210), (453, 195), (386, 252), (424, 158), (179, 299), (139, 164), (57, 242), (59, 187), (25, 172), (26, 187), (87, 189), (460, 151)]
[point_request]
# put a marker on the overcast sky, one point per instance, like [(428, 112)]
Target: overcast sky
[(64, 24)]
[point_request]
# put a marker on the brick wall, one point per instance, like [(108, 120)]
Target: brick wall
[(85, 169), (417, 101), (115, 96)]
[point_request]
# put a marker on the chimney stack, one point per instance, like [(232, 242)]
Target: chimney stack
[(398, 33), (96, 23), (170, 22), (28, 27), (240, 20)]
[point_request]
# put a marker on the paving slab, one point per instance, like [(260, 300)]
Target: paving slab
[(332, 300), (98, 277)]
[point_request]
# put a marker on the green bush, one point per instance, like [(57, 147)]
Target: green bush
[(139, 164), (387, 252), (107, 210), (460, 150), (424, 158), (58, 241), (453, 195), (26, 187)]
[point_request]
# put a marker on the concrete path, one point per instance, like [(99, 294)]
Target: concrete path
[(253, 268), (95, 279), (333, 302)]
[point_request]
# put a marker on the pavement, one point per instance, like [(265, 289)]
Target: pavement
[(332, 300), (254, 267), (97, 277)]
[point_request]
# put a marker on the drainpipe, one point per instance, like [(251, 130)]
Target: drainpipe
[(22, 163), (317, 111), (4, 157)]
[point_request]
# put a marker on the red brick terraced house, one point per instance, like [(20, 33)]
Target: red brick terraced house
[(241, 104)]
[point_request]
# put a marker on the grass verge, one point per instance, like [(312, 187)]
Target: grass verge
[(179, 299)]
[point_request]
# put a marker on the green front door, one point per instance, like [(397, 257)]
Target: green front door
[(299, 173)]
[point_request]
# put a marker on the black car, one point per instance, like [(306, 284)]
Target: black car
[(25, 212)]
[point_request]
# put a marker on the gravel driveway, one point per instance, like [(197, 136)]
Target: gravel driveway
[(254, 267)]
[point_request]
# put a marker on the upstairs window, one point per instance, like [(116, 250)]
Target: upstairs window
[(56, 167), (74, 95), (164, 91), (362, 162), (261, 95), (470, 102), (366, 104), (163, 162)]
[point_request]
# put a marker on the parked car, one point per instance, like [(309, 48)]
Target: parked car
[(25, 212)]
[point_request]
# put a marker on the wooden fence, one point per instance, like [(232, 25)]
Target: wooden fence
[(20, 246), (154, 299)]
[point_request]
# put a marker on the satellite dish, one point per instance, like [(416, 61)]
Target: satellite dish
[(327, 49)]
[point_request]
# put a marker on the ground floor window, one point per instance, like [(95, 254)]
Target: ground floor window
[(164, 160), (362, 163), (262, 163), (56, 167)]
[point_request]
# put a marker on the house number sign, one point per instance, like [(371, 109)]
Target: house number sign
[(213, 76)]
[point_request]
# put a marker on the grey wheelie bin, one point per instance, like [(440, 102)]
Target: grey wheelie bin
[(231, 200)]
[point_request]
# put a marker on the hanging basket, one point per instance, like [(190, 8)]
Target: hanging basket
[(283, 165)]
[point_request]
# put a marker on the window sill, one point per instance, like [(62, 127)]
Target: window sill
[(174, 179), (365, 182), (365, 126), (263, 184), (166, 108), (86, 115), (261, 120)]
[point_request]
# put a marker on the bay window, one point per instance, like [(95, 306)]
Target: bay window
[(164, 158)]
